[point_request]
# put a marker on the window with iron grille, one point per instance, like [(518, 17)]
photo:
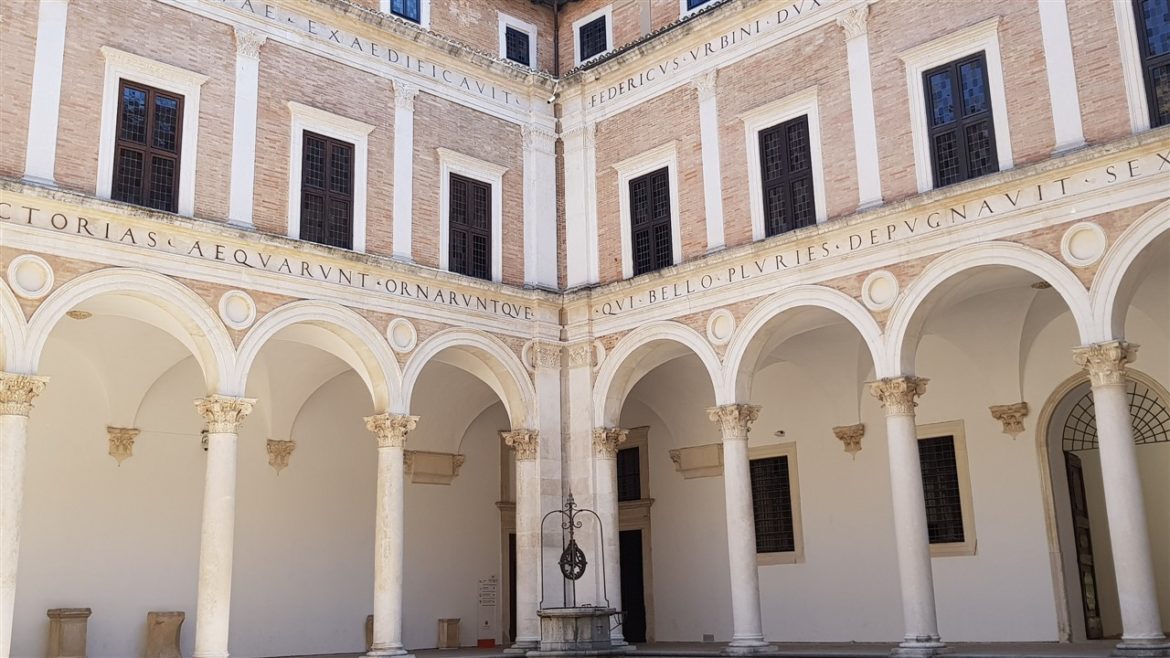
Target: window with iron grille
[(772, 505), (591, 38), (786, 176), (958, 115), (1153, 35), (692, 4), (516, 46), (409, 9), (327, 172), (629, 474), (470, 218), (146, 150), (940, 487), (650, 221)]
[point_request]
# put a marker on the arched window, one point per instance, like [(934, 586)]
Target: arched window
[(1148, 413)]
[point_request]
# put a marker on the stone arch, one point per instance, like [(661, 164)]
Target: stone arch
[(1112, 289), (639, 352), (13, 336), (484, 357), (745, 346), (335, 329), (912, 308), (153, 298)]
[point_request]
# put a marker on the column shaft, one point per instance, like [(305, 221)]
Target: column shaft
[(528, 539), (605, 447)]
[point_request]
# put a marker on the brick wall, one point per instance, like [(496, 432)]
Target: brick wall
[(626, 24), (477, 24), (18, 35), (1097, 62)]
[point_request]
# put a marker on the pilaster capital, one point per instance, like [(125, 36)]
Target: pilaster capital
[(248, 42), (391, 429), (606, 441), (121, 440), (581, 355), (706, 85), (586, 132), (224, 414), (17, 393), (851, 436), (539, 138), (1105, 362), (1011, 415), (404, 95), (524, 442), (897, 394), (734, 420), (854, 21), (546, 355)]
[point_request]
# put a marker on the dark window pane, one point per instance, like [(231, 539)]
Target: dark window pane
[(591, 38), (962, 133), (516, 46), (314, 162), (691, 4), (650, 221), (128, 176), (802, 203), (147, 144), (327, 191), (408, 9), (312, 217), (942, 99), (469, 219), (979, 149), (776, 219), (133, 115), (629, 474), (786, 171), (974, 88), (772, 154), (946, 159), (940, 488), (1160, 94), (162, 183), (772, 505), (166, 123), (1154, 16), (798, 147), (1153, 27), (341, 169)]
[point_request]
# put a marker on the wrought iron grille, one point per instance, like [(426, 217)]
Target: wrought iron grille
[(629, 474), (591, 38), (650, 221), (516, 46), (940, 487), (772, 505), (1149, 418), (470, 227)]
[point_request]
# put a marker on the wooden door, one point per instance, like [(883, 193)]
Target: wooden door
[(1084, 542), (633, 585)]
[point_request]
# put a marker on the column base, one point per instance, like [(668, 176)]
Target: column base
[(749, 648), (378, 653), (919, 648), (522, 646), (1153, 648)]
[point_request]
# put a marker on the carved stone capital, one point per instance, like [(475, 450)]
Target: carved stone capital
[(17, 393), (538, 138), (546, 355), (851, 436), (606, 441), (854, 21), (586, 132), (224, 414), (524, 442), (734, 420), (706, 85), (1105, 362), (581, 355), (122, 442), (404, 95), (1011, 415), (897, 394), (248, 43), (278, 453), (391, 429)]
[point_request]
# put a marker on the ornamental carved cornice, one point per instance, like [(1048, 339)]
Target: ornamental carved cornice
[(391, 429), (224, 415), (706, 85), (1106, 362), (121, 440), (546, 355), (278, 453), (524, 442), (404, 95), (17, 393), (248, 43), (1011, 415), (850, 436), (854, 21), (606, 441), (734, 420), (897, 394)]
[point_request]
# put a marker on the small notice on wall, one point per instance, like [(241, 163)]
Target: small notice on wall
[(488, 592)]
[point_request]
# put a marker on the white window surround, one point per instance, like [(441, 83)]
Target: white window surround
[(424, 12), (796, 555), (1131, 67), (629, 169), (451, 162), (683, 12), (606, 11), (121, 65), (338, 127), (507, 21), (771, 114), (982, 36), (955, 429)]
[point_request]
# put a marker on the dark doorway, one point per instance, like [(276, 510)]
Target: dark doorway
[(511, 587), (1084, 542), (633, 590)]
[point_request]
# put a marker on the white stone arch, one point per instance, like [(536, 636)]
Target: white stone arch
[(744, 349), (484, 357), (641, 351), (152, 298), (12, 338), (910, 311), (1110, 293), (335, 329)]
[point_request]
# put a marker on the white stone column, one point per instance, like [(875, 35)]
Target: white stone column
[(248, 45), (605, 448), (1141, 622), (540, 206), (404, 95), (40, 156), (213, 599), (1062, 77), (17, 393), (712, 173), (869, 185), (528, 540), (897, 395), (581, 265), (390, 431), (734, 422)]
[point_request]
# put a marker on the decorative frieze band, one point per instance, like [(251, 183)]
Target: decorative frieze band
[(391, 429), (524, 442), (734, 420), (606, 441), (17, 393), (1105, 362), (224, 415), (1011, 415), (897, 394)]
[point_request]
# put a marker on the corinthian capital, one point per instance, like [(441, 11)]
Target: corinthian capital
[(121, 440), (524, 442), (1105, 362), (734, 420), (851, 436), (224, 414), (606, 441), (18, 391), (897, 394), (248, 43), (404, 95), (391, 429), (854, 21), (706, 84)]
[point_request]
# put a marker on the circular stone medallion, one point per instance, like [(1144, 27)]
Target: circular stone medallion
[(30, 276), (1083, 244), (879, 290), (401, 334), (237, 310)]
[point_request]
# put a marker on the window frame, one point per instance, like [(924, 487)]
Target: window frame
[(1132, 69), (953, 68), (306, 118), (453, 162), (121, 65), (955, 429), (1144, 66), (795, 556), (683, 11), (147, 148), (326, 193), (646, 162), (507, 21), (607, 12), (771, 114), (467, 228), (983, 36), (424, 11)]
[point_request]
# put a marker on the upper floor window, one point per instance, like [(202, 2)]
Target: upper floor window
[(1153, 31), (786, 176), (517, 40), (470, 227), (411, 10), (147, 147), (959, 121), (692, 5), (594, 34), (327, 183), (650, 221)]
